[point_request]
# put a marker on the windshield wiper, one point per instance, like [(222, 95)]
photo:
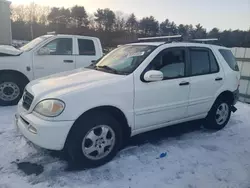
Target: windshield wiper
[(105, 67)]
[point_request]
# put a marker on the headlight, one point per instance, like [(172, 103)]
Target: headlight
[(50, 107)]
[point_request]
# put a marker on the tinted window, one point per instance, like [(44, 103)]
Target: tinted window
[(230, 59), (86, 47), (171, 63), (213, 63), (199, 62), (61, 46)]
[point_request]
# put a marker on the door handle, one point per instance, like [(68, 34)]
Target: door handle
[(93, 61), (184, 83), (68, 61), (218, 79)]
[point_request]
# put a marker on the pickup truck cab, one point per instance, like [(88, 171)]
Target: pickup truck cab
[(138, 87), (43, 56)]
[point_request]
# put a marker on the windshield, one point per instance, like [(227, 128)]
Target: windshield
[(33, 43), (125, 59)]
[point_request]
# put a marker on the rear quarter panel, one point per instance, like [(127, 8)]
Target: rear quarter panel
[(231, 77)]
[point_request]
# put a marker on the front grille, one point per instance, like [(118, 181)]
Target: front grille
[(27, 100)]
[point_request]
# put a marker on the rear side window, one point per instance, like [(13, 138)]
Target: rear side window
[(230, 59), (213, 63), (86, 47), (202, 62)]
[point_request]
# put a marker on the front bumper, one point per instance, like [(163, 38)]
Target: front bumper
[(46, 134)]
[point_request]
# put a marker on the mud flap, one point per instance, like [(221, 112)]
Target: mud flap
[(233, 109)]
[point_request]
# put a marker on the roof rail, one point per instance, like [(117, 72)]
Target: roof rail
[(51, 33), (161, 37), (205, 41), (178, 38)]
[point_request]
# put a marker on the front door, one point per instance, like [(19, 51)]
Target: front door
[(58, 59), (158, 103)]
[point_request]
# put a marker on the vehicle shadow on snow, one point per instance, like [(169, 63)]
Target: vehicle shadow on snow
[(153, 137), (156, 136)]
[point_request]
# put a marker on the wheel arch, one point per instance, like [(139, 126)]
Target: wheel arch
[(117, 113), (16, 73), (227, 95)]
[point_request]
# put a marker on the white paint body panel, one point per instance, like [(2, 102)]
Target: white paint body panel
[(44, 65), (6, 49), (146, 106)]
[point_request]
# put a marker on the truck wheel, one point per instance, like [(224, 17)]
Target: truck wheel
[(219, 115), (94, 140), (11, 89)]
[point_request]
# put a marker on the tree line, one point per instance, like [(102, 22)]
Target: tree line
[(113, 28)]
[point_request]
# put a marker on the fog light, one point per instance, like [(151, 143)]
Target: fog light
[(32, 129)]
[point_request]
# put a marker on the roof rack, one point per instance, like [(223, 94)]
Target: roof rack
[(161, 38), (51, 33), (205, 41), (177, 38)]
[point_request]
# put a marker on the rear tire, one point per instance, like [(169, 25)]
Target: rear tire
[(11, 89), (93, 141), (219, 115)]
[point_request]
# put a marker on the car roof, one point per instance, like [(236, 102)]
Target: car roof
[(176, 44)]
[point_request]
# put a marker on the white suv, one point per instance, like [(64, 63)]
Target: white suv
[(136, 88)]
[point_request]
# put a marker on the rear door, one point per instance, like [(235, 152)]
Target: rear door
[(206, 79), (88, 50)]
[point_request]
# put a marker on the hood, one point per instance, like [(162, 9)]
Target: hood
[(67, 81), (6, 50)]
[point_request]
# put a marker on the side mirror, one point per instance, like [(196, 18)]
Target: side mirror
[(43, 51), (153, 75)]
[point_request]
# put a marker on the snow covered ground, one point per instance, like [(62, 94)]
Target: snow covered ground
[(196, 158)]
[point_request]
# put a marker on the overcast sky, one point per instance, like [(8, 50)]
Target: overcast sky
[(224, 14)]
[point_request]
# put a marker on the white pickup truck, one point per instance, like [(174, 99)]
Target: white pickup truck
[(43, 56)]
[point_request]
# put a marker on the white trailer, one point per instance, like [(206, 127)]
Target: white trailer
[(5, 23)]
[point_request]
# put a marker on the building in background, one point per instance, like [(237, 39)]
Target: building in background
[(243, 58), (5, 23)]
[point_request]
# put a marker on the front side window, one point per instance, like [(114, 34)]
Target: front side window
[(125, 59), (171, 63), (62, 46), (230, 59), (86, 47)]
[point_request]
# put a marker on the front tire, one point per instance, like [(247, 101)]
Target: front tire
[(11, 89), (219, 115), (94, 140)]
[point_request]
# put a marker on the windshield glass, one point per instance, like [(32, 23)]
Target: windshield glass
[(33, 43), (125, 59)]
